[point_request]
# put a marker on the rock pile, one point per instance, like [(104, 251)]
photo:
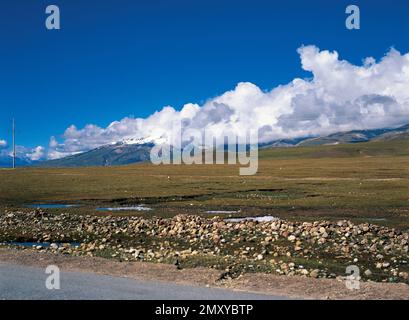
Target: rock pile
[(315, 249)]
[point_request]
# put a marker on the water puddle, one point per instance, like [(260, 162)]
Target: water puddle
[(43, 244), (132, 208), (258, 219), (222, 211), (51, 206)]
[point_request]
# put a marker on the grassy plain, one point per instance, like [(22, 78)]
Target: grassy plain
[(365, 181)]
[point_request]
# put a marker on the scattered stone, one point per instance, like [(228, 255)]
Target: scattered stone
[(314, 273), (243, 246)]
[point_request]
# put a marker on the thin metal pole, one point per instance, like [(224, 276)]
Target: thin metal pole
[(14, 144)]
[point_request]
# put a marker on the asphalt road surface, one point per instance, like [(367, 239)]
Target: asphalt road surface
[(21, 282)]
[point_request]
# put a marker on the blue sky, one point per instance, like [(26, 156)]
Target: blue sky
[(113, 59)]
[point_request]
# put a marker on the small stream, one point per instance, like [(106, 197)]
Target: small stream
[(51, 206), (222, 211), (131, 208), (42, 244), (258, 219)]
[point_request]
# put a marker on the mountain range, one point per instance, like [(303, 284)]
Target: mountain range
[(6, 161), (355, 136), (120, 153), (138, 150)]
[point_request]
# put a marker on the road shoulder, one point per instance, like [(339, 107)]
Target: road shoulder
[(288, 286)]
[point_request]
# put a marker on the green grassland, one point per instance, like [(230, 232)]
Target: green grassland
[(356, 181)]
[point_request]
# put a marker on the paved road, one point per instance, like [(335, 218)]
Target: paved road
[(21, 282)]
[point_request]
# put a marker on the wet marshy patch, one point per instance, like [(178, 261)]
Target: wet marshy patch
[(270, 194), (278, 193), (223, 211), (42, 245), (258, 219), (51, 206), (127, 208)]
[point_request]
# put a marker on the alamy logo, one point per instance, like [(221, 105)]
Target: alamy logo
[(353, 277), (194, 146), (53, 280), (353, 21), (53, 20)]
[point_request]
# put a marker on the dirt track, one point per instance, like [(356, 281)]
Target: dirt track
[(291, 286)]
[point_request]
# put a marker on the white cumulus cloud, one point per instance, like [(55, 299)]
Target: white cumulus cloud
[(29, 154), (339, 96), (36, 153), (3, 144)]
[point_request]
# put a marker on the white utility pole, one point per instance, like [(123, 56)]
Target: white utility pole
[(14, 144)]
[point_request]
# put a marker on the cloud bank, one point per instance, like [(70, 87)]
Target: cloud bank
[(339, 96), (34, 154), (24, 153)]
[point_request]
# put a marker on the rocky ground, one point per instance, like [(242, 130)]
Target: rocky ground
[(320, 249)]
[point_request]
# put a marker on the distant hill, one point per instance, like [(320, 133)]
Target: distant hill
[(133, 151), (355, 136), (109, 155), (401, 133), (282, 143), (7, 162), (394, 148)]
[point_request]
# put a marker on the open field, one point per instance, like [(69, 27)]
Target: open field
[(310, 189), (354, 181)]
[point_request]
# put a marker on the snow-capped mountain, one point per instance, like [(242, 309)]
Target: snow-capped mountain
[(119, 153), (132, 150), (141, 141)]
